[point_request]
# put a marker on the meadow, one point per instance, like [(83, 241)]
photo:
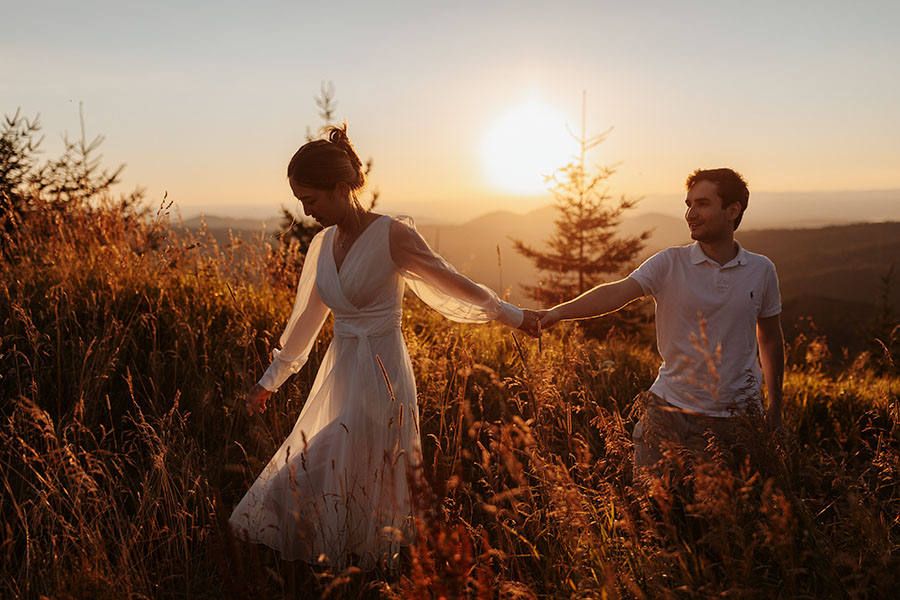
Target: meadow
[(125, 353)]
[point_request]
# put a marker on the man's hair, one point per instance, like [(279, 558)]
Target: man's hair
[(731, 187)]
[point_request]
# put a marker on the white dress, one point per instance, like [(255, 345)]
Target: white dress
[(337, 489)]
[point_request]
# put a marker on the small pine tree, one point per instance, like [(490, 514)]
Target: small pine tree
[(585, 248), (884, 332), (19, 146), (76, 178)]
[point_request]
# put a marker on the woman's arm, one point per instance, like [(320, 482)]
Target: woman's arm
[(303, 326), (440, 286)]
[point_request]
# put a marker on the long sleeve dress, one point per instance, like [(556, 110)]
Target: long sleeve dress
[(337, 487)]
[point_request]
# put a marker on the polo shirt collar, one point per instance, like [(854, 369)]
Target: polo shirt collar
[(698, 256)]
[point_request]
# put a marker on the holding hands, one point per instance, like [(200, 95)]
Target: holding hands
[(549, 318), (536, 321), (531, 324)]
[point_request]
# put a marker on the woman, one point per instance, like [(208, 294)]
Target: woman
[(338, 485)]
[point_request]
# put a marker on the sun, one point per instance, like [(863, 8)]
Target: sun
[(523, 146)]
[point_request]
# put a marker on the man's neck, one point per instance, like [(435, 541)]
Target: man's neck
[(720, 251)]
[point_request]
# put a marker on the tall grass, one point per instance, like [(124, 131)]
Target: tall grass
[(125, 351)]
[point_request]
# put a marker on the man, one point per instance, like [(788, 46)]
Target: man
[(716, 304)]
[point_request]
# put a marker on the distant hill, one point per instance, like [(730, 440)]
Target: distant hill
[(234, 223), (833, 275), (222, 227), (841, 262)]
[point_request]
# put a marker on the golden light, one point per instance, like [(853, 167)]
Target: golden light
[(524, 145)]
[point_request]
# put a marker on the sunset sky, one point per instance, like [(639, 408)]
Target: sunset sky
[(208, 100)]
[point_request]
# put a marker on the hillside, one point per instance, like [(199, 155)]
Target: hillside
[(833, 275), (222, 227)]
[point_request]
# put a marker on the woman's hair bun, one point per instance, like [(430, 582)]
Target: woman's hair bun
[(337, 135), (324, 162)]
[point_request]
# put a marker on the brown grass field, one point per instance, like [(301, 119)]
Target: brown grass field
[(124, 355)]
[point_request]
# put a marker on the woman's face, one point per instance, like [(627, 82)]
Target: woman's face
[(327, 207)]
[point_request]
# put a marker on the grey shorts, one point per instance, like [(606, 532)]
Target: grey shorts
[(663, 426)]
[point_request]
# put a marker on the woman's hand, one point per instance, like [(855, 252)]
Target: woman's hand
[(256, 399)]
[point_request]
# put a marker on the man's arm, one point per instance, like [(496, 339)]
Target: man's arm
[(604, 298), (771, 356)]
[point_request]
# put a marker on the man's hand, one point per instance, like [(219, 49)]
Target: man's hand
[(771, 358), (531, 323), (774, 419), (256, 399), (549, 318)]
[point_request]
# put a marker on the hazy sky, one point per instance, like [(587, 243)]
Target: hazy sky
[(208, 100)]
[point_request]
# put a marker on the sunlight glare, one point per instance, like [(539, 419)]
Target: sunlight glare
[(524, 145)]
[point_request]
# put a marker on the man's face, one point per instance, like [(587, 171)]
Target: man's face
[(707, 219)]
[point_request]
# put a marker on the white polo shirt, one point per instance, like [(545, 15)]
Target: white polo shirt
[(706, 317)]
